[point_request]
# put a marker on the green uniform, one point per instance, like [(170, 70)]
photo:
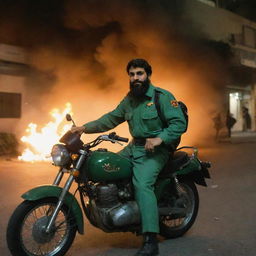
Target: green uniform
[(144, 122)]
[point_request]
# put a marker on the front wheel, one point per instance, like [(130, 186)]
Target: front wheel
[(26, 234), (174, 226)]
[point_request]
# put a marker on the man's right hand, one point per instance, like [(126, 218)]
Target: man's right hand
[(78, 129)]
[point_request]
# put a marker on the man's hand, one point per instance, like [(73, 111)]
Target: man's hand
[(78, 129), (151, 143)]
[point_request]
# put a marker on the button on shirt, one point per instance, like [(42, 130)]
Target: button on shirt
[(142, 117)]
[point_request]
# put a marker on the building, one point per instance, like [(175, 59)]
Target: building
[(13, 69), (239, 33)]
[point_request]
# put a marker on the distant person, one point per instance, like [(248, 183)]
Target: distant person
[(247, 123), (217, 125), (230, 122)]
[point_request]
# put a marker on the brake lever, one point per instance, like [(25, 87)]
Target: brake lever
[(118, 142), (106, 138)]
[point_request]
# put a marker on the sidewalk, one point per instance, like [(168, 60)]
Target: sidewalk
[(241, 137)]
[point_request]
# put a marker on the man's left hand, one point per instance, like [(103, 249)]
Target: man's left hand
[(151, 143)]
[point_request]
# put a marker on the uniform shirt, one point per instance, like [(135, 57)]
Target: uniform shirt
[(142, 117)]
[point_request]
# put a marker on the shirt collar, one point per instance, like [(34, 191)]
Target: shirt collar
[(150, 91)]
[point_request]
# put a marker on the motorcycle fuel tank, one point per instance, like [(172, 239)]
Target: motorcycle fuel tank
[(103, 165)]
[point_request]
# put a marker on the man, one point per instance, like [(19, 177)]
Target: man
[(217, 125), (153, 138), (230, 122), (246, 119)]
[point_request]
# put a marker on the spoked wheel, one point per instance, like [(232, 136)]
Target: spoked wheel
[(175, 225), (26, 234)]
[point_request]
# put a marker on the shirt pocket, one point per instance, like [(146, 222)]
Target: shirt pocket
[(151, 121)]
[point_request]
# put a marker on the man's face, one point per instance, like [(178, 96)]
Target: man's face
[(139, 81), (137, 75)]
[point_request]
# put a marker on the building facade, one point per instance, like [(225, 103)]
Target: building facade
[(13, 66), (239, 33)]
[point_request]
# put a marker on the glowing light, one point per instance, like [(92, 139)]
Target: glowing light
[(40, 142)]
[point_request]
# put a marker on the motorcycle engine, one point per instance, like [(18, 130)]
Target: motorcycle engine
[(107, 196), (113, 208)]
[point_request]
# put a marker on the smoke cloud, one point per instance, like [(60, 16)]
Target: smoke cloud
[(79, 51)]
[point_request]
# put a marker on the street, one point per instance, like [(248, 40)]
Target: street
[(225, 225)]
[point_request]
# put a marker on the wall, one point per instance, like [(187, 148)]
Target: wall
[(216, 23), (15, 84), (222, 25)]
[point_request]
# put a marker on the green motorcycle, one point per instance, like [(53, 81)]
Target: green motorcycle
[(46, 222)]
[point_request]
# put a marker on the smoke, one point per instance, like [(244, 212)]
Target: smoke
[(81, 49)]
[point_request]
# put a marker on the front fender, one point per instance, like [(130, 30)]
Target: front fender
[(55, 191)]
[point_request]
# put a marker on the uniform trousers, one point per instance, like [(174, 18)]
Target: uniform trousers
[(146, 167)]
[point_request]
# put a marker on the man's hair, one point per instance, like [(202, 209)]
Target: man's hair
[(139, 63)]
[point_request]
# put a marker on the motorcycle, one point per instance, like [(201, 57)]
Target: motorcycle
[(47, 221)]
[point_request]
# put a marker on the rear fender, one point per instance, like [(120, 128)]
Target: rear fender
[(55, 191), (195, 170)]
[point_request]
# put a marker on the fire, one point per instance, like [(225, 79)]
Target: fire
[(40, 142)]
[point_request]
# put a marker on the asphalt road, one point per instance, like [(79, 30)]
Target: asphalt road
[(225, 225)]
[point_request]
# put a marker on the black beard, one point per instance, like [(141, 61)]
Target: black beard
[(139, 89)]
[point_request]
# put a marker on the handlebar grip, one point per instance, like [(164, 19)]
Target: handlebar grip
[(113, 135), (122, 139)]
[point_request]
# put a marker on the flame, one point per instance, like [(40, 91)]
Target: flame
[(40, 143)]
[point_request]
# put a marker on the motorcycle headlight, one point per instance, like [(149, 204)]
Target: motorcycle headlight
[(60, 155)]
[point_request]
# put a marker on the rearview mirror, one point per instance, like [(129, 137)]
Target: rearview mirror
[(68, 117)]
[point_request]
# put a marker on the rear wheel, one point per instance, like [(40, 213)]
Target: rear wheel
[(26, 234), (173, 225)]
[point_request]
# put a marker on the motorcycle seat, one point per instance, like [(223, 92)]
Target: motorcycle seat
[(177, 160)]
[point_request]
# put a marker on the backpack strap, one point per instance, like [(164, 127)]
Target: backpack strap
[(158, 108), (173, 146)]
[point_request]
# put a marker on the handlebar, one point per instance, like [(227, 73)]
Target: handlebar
[(113, 136), (122, 139)]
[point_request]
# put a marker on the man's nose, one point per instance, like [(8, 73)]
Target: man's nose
[(136, 77)]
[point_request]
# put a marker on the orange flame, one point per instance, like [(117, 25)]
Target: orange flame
[(40, 143)]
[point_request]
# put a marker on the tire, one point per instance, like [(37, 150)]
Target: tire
[(173, 227), (25, 235)]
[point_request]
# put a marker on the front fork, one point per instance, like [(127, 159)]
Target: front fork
[(58, 177), (60, 202), (65, 189)]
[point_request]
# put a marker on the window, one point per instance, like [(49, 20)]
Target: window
[(208, 2), (10, 105), (249, 36)]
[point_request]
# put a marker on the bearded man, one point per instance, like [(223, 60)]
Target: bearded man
[(153, 139)]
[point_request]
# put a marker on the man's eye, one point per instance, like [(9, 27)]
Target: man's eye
[(139, 73), (131, 74)]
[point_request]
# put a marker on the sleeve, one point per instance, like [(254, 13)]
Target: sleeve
[(107, 121), (173, 115)]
